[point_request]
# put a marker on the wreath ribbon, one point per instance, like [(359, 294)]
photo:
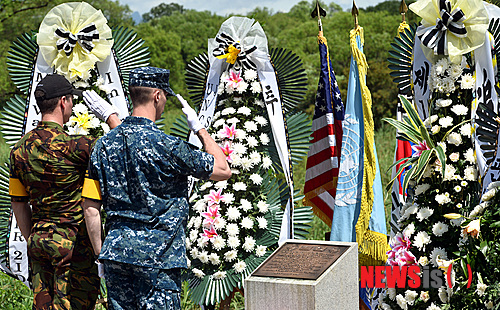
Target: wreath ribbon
[(435, 37), (84, 37), (234, 53)]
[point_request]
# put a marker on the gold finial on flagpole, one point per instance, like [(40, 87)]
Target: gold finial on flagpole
[(355, 13), (318, 12), (403, 9)]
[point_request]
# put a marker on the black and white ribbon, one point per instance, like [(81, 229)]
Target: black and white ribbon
[(224, 41), (84, 37), (435, 37)]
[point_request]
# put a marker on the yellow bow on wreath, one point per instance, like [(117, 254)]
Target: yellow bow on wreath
[(451, 27)]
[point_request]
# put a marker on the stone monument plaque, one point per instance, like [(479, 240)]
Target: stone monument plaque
[(300, 260)]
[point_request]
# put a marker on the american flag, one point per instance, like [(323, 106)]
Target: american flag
[(324, 154)]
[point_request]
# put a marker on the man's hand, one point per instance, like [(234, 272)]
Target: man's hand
[(192, 119), (100, 107)]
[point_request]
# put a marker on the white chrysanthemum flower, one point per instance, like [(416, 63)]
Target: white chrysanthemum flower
[(228, 111), (252, 141), (219, 223), (233, 213), (262, 121), (466, 130), (262, 222), (401, 302), (80, 108), (250, 126), (239, 148), (435, 129), (203, 257), (449, 173), (260, 250), (221, 184), (391, 292), (457, 188), (194, 253), (264, 138), (423, 261), (240, 266), (244, 110), (433, 307), (218, 123), (221, 88), (442, 295), (198, 273), (249, 244), (232, 229), (439, 229), (256, 179), (422, 188), (200, 206), (255, 157), (255, 87), (206, 185), (239, 186), (455, 71), (443, 103), (467, 81), (230, 255), (409, 230), (242, 86), (220, 275), (424, 213), (481, 288), (219, 243), (442, 199), (266, 162), (410, 296), (245, 205), (233, 242), (197, 222), (193, 235), (469, 156), (214, 259), (259, 103), (247, 223), (250, 75), (438, 253), (201, 242), (246, 163), (421, 240), (454, 157), (446, 121), (470, 173), (228, 198), (240, 134), (455, 138), (262, 206)]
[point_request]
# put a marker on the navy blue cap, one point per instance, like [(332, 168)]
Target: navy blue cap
[(151, 77)]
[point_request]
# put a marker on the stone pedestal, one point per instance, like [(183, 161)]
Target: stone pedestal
[(336, 288)]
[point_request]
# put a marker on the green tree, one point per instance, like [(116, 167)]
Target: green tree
[(163, 10)]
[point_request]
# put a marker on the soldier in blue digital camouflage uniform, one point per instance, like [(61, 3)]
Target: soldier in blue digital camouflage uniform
[(140, 175)]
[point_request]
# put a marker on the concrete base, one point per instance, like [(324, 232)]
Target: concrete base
[(336, 288)]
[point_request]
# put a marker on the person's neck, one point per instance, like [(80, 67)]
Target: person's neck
[(52, 118), (145, 111)]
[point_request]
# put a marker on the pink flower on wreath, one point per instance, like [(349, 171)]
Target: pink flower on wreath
[(228, 132), (227, 151), (233, 79), (211, 216), (405, 258), (215, 197), (209, 234), (418, 148), (400, 242)]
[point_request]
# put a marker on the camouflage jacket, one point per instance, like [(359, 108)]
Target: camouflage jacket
[(143, 176), (47, 167)]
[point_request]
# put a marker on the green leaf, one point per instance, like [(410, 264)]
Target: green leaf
[(412, 113), (410, 132), (442, 157)]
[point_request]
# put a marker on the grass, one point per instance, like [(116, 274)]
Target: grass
[(16, 296)]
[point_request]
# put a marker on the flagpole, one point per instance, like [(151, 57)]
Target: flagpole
[(355, 13), (318, 12), (402, 10)]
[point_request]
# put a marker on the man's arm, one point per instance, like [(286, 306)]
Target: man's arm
[(92, 212), (113, 121), (22, 211), (221, 170)]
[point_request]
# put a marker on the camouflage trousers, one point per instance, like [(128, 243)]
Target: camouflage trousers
[(64, 273), (135, 287)]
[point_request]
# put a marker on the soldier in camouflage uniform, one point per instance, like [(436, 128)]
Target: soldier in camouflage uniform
[(141, 176), (47, 169)]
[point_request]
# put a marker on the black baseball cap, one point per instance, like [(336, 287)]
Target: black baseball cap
[(55, 85)]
